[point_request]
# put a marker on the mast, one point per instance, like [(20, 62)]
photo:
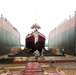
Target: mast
[(35, 25)]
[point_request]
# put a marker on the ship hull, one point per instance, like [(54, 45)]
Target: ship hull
[(35, 41), (38, 46)]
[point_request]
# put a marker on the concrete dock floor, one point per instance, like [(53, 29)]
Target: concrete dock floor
[(66, 64)]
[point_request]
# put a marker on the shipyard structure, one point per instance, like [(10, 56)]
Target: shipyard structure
[(9, 36), (64, 36)]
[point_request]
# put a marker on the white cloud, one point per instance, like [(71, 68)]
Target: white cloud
[(49, 13)]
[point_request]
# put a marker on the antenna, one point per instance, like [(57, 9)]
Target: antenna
[(35, 25), (35, 16)]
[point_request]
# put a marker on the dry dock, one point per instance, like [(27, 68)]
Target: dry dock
[(49, 65)]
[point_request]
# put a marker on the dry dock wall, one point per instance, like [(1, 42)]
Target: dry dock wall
[(64, 36), (9, 36)]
